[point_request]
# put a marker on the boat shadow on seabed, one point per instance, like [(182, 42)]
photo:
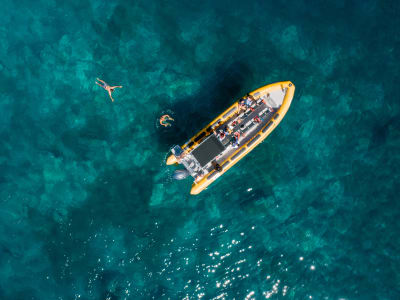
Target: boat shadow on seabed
[(194, 112)]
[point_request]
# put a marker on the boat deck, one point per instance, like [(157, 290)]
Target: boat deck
[(245, 123), (247, 128)]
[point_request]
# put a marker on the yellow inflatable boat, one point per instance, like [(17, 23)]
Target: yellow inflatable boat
[(233, 134)]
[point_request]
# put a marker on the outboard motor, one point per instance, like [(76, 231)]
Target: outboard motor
[(181, 174)]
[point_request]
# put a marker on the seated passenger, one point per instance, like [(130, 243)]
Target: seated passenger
[(248, 101), (242, 104), (221, 135), (226, 129), (236, 122), (234, 142), (257, 119), (216, 166), (251, 97), (235, 139)]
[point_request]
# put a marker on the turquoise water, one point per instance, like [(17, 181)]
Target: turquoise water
[(90, 211)]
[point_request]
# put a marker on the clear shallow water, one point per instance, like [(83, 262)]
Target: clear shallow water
[(88, 209)]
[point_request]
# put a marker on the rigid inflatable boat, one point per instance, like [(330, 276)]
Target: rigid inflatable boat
[(233, 134)]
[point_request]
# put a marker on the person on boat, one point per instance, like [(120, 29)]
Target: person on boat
[(242, 104), (226, 130), (246, 102), (257, 119), (216, 166), (251, 97), (221, 135), (235, 140), (249, 100), (235, 143), (164, 120), (108, 88)]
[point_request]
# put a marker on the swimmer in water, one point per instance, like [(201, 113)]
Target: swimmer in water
[(108, 88), (164, 120)]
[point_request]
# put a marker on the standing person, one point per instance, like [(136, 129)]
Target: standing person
[(108, 88)]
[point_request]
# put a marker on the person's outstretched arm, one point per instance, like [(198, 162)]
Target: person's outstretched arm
[(117, 86)]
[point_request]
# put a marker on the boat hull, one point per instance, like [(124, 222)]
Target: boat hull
[(287, 87)]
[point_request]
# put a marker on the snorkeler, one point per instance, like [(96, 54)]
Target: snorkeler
[(164, 120), (108, 88)]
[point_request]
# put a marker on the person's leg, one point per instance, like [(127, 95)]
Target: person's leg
[(109, 92), (100, 80), (162, 121)]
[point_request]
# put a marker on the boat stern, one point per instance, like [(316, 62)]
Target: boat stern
[(171, 160)]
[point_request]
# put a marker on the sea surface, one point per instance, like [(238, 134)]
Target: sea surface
[(88, 208)]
